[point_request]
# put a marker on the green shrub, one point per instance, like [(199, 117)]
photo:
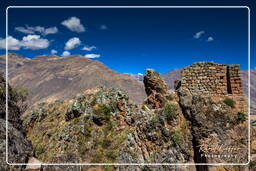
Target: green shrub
[(97, 158), (112, 154), (39, 150), (176, 137), (241, 116), (230, 102), (20, 93), (106, 143), (82, 149), (103, 110), (170, 110), (1, 91)]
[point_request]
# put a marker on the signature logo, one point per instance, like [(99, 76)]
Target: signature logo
[(218, 151)]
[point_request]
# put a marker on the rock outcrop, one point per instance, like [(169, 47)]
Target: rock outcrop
[(103, 126), (156, 89), (218, 117), (19, 148)]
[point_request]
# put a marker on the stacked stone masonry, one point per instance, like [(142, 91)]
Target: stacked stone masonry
[(209, 78)]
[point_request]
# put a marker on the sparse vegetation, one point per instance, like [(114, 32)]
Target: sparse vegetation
[(241, 116), (144, 107), (39, 150), (20, 93), (1, 91), (102, 110), (112, 154), (230, 102), (170, 110), (106, 142), (176, 137)]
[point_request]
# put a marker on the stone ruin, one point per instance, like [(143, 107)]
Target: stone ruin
[(215, 80), (209, 78)]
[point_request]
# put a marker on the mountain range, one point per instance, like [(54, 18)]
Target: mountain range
[(50, 77)]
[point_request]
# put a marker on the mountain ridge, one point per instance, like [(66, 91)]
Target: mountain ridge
[(49, 77)]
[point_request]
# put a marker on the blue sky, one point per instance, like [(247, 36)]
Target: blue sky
[(131, 40)]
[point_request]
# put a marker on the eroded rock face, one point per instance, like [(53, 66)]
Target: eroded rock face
[(19, 148), (214, 125), (156, 89), (110, 128)]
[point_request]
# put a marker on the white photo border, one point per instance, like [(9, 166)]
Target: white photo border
[(132, 164)]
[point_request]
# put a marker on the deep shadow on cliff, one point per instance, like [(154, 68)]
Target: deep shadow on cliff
[(19, 148)]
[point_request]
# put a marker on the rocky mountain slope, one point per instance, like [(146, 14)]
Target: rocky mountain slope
[(103, 125), (49, 77)]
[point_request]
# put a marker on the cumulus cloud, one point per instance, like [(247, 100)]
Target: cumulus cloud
[(65, 53), (210, 39), (13, 43), (53, 51), (89, 48), (72, 43), (92, 55), (199, 34), (73, 24), (103, 27), (37, 29), (34, 42), (28, 42)]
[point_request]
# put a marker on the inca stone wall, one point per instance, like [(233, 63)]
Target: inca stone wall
[(209, 78)]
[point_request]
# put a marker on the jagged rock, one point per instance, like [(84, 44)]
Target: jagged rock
[(98, 120), (177, 84), (169, 128), (153, 82), (155, 88), (214, 124), (103, 113), (112, 129), (19, 148), (75, 110)]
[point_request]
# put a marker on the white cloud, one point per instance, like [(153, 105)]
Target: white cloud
[(103, 27), (37, 29), (88, 48), (28, 42), (199, 34), (72, 43), (51, 30), (13, 44), (210, 39), (73, 23), (65, 53), (24, 30), (34, 42), (53, 51), (92, 55)]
